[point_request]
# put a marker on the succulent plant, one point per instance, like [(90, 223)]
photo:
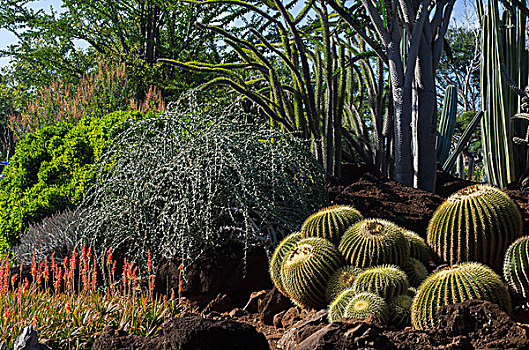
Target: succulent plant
[(416, 272), (340, 280), (469, 280), (418, 248), (278, 257), (307, 268), (331, 222), (412, 292), (477, 223), (399, 310), (337, 307), (387, 281), (372, 242), (516, 267), (365, 304)]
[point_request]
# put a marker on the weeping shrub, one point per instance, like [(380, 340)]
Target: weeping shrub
[(197, 178)]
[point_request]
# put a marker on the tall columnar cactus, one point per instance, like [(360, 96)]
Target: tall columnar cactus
[(340, 280), (307, 269), (400, 310), (418, 248), (416, 272), (477, 223), (278, 257), (516, 267), (337, 307), (447, 123), (454, 285), (331, 222), (373, 242), (386, 281), (365, 304)]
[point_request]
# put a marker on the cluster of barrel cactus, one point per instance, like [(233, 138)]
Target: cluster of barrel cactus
[(359, 266)]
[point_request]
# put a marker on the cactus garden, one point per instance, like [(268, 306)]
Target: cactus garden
[(242, 174)]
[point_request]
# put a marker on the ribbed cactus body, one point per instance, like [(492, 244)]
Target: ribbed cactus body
[(400, 310), (454, 285), (416, 272), (373, 242), (477, 223), (386, 281), (340, 280), (365, 304), (331, 222), (516, 267), (277, 259), (336, 309), (307, 269), (418, 248), (412, 292)]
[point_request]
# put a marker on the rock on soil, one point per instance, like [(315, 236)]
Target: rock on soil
[(188, 333), (273, 303)]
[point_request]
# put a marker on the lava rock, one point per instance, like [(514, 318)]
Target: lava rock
[(313, 322), (273, 303), (27, 340), (222, 303)]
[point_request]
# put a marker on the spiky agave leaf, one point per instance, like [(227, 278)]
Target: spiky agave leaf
[(307, 269), (387, 281), (372, 242), (365, 304), (516, 267), (278, 257), (340, 280), (418, 248), (477, 223), (336, 309), (331, 222), (452, 285), (400, 310), (416, 272)]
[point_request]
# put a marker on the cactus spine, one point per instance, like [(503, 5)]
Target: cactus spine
[(454, 285), (373, 242), (386, 281), (340, 280), (331, 222), (337, 306), (516, 267), (399, 310), (416, 272), (418, 248), (307, 269), (477, 223), (365, 304), (278, 257)]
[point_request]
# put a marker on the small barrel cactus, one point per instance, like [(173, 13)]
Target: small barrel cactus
[(307, 268), (331, 222), (516, 267), (418, 248), (386, 281), (365, 304), (277, 259), (416, 272), (373, 242), (340, 280), (337, 306), (399, 310), (477, 223), (454, 285)]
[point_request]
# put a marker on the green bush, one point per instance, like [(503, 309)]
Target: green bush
[(50, 171)]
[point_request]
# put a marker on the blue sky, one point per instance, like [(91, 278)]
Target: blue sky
[(6, 38)]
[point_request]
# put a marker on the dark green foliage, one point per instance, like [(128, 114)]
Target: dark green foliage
[(373, 242), (516, 267), (340, 280), (198, 178), (454, 285), (331, 222), (416, 271), (50, 171), (276, 261), (337, 307), (399, 310), (307, 269), (477, 223), (386, 281), (365, 304), (418, 248)]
